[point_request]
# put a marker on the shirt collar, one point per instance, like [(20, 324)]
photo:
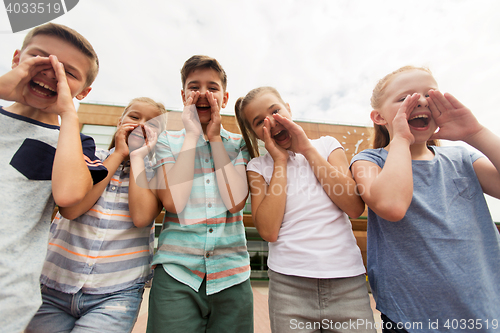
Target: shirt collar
[(223, 133)]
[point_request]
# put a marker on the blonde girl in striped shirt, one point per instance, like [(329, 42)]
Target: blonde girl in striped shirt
[(98, 261)]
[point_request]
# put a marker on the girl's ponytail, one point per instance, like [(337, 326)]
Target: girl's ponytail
[(246, 131)]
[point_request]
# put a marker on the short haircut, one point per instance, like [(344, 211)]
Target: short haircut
[(203, 61), (74, 38)]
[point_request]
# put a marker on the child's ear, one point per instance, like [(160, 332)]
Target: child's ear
[(225, 99), (15, 59), (183, 95), (288, 108), (83, 93), (377, 118)]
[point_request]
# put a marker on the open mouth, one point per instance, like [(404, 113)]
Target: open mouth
[(137, 135), (42, 88), (419, 121), (281, 136), (203, 108)]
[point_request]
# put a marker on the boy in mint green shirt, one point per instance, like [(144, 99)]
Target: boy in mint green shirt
[(201, 281)]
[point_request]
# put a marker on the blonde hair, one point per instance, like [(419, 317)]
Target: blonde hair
[(245, 127), (381, 136), (72, 37), (161, 109)]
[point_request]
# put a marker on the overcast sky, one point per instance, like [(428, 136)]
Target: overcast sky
[(324, 56)]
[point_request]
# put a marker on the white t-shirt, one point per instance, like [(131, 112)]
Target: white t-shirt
[(315, 239)]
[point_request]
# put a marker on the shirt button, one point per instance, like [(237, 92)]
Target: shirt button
[(206, 160), (207, 255), (208, 181), (113, 188), (209, 205), (210, 230)]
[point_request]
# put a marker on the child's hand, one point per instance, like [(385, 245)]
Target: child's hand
[(213, 127), (455, 121), (150, 139), (122, 133), (13, 83), (64, 102), (277, 153), (190, 117), (400, 127), (300, 141)]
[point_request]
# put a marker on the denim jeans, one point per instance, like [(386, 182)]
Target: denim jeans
[(113, 312), (391, 327)]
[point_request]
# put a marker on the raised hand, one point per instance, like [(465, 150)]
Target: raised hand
[(277, 153), (150, 139), (13, 83), (300, 141), (400, 127), (121, 136), (213, 127), (64, 102), (190, 117), (455, 121)]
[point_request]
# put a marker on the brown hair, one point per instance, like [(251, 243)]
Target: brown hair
[(74, 38), (381, 135), (245, 127), (161, 108), (203, 61)]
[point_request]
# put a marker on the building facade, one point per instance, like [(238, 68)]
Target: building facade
[(99, 121)]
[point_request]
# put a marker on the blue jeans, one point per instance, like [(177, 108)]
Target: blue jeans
[(113, 312), (391, 327)]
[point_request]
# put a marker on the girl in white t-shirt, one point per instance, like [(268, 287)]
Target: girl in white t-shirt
[(300, 193)]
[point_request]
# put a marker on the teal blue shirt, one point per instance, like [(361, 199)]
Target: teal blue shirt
[(440, 265)]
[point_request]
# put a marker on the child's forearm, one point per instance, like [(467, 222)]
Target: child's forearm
[(487, 169), (231, 181), (111, 163), (144, 206), (268, 216), (336, 180), (392, 190), (71, 179), (175, 182), (5, 89), (488, 143)]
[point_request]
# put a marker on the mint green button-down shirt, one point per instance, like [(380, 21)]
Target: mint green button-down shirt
[(204, 240)]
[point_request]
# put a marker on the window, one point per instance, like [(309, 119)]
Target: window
[(102, 135)]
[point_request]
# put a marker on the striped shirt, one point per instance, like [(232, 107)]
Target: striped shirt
[(211, 242), (101, 251)]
